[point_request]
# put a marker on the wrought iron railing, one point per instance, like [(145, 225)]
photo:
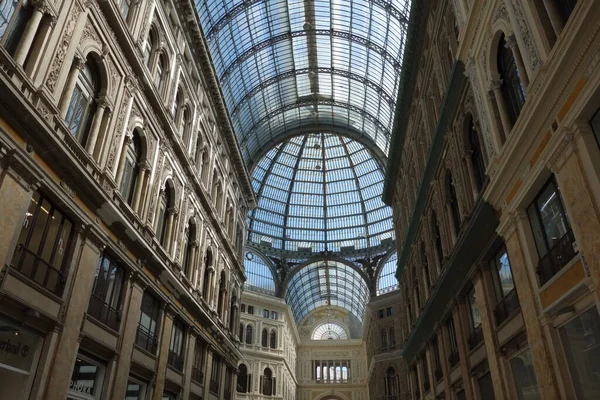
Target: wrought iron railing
[(103, 312), (35, 268), (454, 358), (557, 257), (197, 374), (475, 337), (146, 340), (175, 360), (505, 308)]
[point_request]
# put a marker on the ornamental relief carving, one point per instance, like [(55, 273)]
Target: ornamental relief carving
[(525, 34), (119, 130), (63, 46)]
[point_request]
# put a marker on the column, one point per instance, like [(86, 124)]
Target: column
[(78, 64), (95, 128), (449, 214), (555, 19), (163, 354), (141, 181), (471, 170), (29, 34), (511, 43), (76, 306), (208, 372), (128, 333), (496, 94), (489, 333), (17, 184), (189, 362), (429, 371), (527, 293), (123, 156), (442, 335), (222, 377), (169, 230), (463, 353)]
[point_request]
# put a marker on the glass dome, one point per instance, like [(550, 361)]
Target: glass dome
[(319, 192)]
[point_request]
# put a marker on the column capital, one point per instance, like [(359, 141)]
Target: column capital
[(495, 84), (510, 42), (78, 62), (44, 7)]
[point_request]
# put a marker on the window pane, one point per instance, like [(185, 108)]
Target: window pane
[(524, 377), (553, 219), (475, 317)]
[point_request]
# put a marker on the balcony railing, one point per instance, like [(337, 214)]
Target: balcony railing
[(103, 312), (557, 257), (197, 374), (475, 337), (38, 270), (214, 387), (506, 307), (146, 340), (454, 358), (175, 360)]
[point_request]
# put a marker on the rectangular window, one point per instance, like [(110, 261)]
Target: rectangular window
[(86, 379), (265, 313), (106, 292), (43, 244), (381, 313), (475, 332), (198, 365), (147, 332), (388, 311), (243, 308), (524, 376), (507, 301), (175, 358), (486, 387), (595, 123), (426, 381), (273, 314), (215, 374), (453, 357), (14, 15), (437, 360), (251, 310), (553, 237), (580, 338), (136, 389)]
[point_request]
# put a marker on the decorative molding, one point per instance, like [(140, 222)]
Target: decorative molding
[(63, 46)]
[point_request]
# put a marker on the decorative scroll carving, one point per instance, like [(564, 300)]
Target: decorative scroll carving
[(63, 46), (525, 33), (119, 129)]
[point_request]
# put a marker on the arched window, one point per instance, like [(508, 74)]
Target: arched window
[(249, 334), (241, 333), (149, 47), (129, 176), (165, 203), (264, 338), (176, 111), (511, 86), (222, 292), (242, 379), (83, 102), (160, 72), (208, 262), (199, 156), (273, 339), (268, 384), (14, 16), (476, 155), (391, 382), (437, 239), (329, 331), (384, 339), (392, 337), (451, 191), (189, 238), (125, 7)]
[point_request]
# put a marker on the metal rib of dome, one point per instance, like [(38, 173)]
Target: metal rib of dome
[(319, 192), (288, 64)]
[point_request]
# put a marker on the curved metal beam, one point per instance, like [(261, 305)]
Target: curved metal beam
[(345, 131), (318, 32), (315, 101), (289, 196), (301, 71), (269, 263), (246, 4)]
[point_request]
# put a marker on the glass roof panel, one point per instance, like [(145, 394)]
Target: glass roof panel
[(386, 282), (326, 283), (283, 64), (325, 201), (259, 275)]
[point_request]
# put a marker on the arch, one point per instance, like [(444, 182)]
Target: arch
[(160, 73), (475, 150), (249, 331), (241, 332), (391, 382), (150, 45), (190, 243), (512, 89), (329, 331), (273, 339), (208, 270), (260, 273), (268, 382), (92, 51), (264, 338), (386, 273), (221, 295), (233, 311), (131, 167), (242, 379), (165, 210)]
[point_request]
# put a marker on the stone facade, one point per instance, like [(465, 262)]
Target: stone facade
[(123, 199), (495, 199)]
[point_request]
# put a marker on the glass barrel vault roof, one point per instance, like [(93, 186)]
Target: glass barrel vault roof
[(319, 192), (287, 65)]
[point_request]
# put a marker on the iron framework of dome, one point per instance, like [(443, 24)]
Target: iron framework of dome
[(311, 88)]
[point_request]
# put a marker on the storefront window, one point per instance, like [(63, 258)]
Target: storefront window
[(86, 380), (523, 373), (19, 352), (581, 341)]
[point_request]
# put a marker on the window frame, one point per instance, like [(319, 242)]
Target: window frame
[(115, 297)]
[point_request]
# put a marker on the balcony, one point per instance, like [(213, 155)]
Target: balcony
[(475, 337), (104, 312), (175, 360), (38, 270), (454, 358), (557, 257), (146, 339), (197, 375), (506, 307)]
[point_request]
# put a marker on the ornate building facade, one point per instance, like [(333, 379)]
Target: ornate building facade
[(496, 195), (123, 200)]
